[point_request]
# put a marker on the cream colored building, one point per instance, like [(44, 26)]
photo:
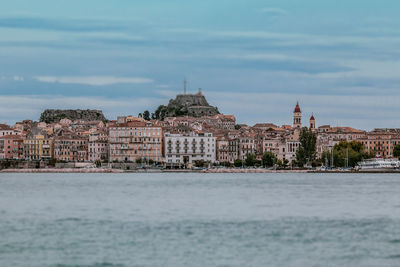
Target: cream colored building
[(131, 141), (38, 147)]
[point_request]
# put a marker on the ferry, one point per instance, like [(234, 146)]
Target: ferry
[(378, 164)]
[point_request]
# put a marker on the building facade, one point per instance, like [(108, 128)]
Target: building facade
[(71, 148), (7, 130), (98, 146), (98, 150), (11, 147), (222, 150), (38, 147), (185, 149), (134, 141), (381, 142)]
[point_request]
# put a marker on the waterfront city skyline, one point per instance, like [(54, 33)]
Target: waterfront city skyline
[(253, 59)]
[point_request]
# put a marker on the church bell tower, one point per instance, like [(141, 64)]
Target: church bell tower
[(312, 123), (297, 117)]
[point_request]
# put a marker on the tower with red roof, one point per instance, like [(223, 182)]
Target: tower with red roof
[(297, 117), (312, 123)]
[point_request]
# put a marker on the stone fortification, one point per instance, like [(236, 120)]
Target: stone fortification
[(55, 115), (194, 105)]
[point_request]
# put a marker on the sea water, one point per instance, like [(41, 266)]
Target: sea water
[(199, 219)]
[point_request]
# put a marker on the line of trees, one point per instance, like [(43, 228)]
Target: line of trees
[(396, 151), (162, 111), (346, 154), (307, 151)]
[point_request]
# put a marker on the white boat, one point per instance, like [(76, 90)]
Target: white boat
[(378, 164)]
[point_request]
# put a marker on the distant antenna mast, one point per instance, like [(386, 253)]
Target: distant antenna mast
[(184, 86)]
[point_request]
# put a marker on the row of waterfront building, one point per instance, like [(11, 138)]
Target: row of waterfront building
[(176, 140)]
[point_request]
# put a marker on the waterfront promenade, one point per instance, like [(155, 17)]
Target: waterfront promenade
[(216, 170)]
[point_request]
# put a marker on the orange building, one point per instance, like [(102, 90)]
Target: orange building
[(135, 140)]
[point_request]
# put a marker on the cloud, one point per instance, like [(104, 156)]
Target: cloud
[(93, 80), (274, 11), (162, 86), (68, 25), (121, 41), (275, 64), (167, 93), (18, 78)]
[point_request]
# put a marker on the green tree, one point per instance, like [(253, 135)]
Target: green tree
[(308, 147), (226, 164), (268, 159), (160, 112), (238, 163), (250, 160), (285, 163), (396, 151), (279, 163), (200, 163), (146, 115), (346, 153)]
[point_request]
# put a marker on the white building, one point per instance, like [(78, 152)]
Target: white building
[(182, 149), (98, 150), (7, 130)]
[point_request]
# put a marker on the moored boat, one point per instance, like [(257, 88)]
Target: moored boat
[(378, 164)]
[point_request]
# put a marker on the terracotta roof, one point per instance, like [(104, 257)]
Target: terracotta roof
[(297, 108), (4, 127), (345, 130), (11, 136), (69, 137), (134, 124), (265, 125)]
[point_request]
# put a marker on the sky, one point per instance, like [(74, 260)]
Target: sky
[(255, 59)]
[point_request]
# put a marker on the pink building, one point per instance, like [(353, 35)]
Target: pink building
[(98, 150), (11, 147), (98, 146)]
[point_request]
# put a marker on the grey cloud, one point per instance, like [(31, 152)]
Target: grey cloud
[(67, 25), (285, 65), (274, 11)]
